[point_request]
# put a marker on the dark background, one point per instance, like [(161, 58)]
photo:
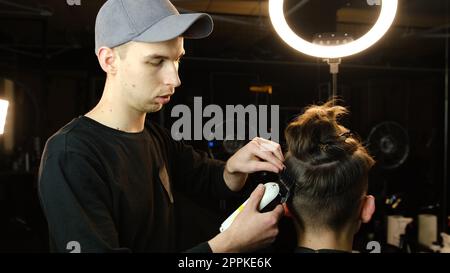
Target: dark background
[(47, 50)]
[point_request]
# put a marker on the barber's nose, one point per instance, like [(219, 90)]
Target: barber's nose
[(172, 78)]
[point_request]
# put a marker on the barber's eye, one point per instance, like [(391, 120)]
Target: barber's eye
[(157, 63)]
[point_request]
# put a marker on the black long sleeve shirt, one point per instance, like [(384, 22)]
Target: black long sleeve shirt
[(110, 191)]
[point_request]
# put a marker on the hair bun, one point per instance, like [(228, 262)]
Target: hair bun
[(316, 137)]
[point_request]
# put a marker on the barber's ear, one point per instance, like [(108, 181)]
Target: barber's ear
[(368, 208), (107, 60)]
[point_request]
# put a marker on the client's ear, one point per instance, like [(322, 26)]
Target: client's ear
[(368, 208)]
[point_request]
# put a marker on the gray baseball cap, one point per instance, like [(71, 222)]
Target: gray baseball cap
[(121, 21)]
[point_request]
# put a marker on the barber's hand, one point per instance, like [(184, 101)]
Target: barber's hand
[(258, 155), (250, 230)]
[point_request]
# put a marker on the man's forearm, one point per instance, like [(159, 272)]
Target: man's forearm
[(222, 244), (234, 180)]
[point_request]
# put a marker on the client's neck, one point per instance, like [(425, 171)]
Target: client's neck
[(325, 239)]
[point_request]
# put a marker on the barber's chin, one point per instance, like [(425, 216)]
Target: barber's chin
[(153, 107)]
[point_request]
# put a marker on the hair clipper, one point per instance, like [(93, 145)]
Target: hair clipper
[(275, 193)]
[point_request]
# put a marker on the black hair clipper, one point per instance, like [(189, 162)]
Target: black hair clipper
[(286, 182)]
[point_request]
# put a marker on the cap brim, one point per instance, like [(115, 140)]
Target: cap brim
[(192, 26)]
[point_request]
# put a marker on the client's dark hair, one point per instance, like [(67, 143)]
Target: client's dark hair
[(330, 167)]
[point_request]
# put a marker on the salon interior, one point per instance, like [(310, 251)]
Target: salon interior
[(391, 71)]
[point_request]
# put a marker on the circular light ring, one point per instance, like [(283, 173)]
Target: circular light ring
[(384, 22)]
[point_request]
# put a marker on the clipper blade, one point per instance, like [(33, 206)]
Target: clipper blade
[(287, 183)]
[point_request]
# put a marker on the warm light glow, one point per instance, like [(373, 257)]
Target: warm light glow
[(3, 111), (387, 15)]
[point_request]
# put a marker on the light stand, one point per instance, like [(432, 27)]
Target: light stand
[(333, 39)]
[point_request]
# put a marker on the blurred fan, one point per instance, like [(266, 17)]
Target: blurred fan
[(388, 142)]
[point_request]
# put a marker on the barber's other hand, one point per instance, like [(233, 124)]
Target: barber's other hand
[(258, 155), (251, 230)]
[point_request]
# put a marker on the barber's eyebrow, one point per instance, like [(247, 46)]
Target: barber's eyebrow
[(157, 56)]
